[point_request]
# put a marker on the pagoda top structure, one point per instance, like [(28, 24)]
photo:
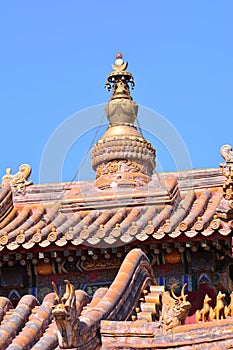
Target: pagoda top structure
[(122, 157)]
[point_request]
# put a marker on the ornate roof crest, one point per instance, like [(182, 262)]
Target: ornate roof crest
[(227, 171), (18, 181)]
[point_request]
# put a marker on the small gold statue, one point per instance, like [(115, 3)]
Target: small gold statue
[(18, 181)]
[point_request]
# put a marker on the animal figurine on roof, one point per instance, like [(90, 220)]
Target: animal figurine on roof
[(65, 314), (203, 314), (228, 310), (174, 309), (219, 308)]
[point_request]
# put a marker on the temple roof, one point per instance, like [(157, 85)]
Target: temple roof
[(183, 205), (126, 203)]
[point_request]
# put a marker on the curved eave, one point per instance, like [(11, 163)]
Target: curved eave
[(192, 215)]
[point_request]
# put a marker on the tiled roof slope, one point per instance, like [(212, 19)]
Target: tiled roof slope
[(185, 205), (23, 326)]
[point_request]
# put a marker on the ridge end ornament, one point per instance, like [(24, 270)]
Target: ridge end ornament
[(18, 181), (227, 171)]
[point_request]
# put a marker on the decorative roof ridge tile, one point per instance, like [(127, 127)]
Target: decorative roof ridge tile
[(44, 243), (13, 245), (32, 219), (77, 241), (196, 210), (158, 220), (142, 236), (113, 199), (224, 231), (61, 242), (179, 213), (109, 240), (49, 338), (19, 317), (57, 221), (143, 219), (28, 245), (207, 232), (85, 222), (35, 229), (72, 221), (6, 202), (100, 220), (175, 234), (159, 234), (9, 217), (208, 214), (131, 217), (116, 218), (191, 233), (200, 178), (18, 220), (225, 209), (40, 317)]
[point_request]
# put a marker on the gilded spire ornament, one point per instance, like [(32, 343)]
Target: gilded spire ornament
[(120, 79), (121, 109), (122, 156)]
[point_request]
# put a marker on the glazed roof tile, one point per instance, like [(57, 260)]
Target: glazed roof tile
[(79, 214), (38, 321)]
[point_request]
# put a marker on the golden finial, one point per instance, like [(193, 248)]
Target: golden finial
[(120, 78), (120, 65)]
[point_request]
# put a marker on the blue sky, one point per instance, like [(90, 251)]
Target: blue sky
[(55, 57)]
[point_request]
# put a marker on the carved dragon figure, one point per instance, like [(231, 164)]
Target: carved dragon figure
[(65, 314), (81, 330), (18, 181), (174, 309)]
